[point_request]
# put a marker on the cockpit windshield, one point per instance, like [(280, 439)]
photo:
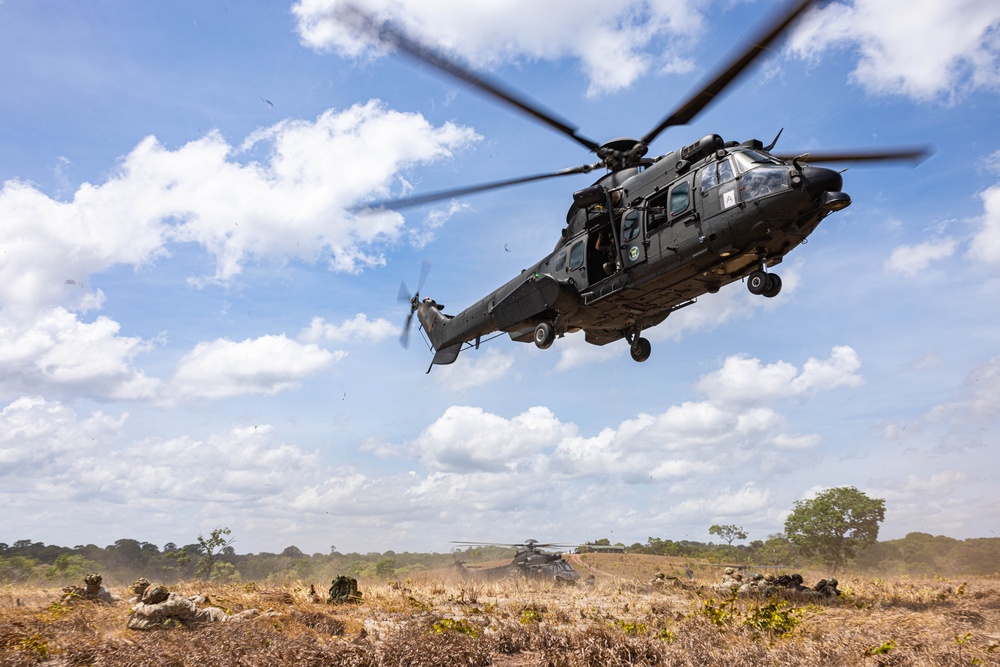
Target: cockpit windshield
[(765, 180)]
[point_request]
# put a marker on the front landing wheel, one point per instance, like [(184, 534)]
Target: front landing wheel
[(640, 349)]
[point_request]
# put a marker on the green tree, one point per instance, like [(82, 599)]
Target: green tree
[(386, 568), (776, 550), (16, 569), (69, 567), (728, 532), (835, 525), (211, 549), (225, 573)]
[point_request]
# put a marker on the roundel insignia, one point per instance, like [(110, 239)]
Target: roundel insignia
[(633, 253)]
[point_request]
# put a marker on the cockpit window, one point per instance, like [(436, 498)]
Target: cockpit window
[(716, 173), (560, 261), (726, 172), (680, 198)]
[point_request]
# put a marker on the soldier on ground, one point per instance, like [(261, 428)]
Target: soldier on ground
[(158, 607), (827, 587), (92, 590), (343, 589)]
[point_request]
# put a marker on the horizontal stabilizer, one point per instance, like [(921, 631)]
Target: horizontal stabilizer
[(446, 355)]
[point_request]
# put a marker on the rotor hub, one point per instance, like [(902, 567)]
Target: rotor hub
[(622, 152)]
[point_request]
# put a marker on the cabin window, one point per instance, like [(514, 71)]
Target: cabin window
[(630, 226), (560, 261), (680, 198), (576, 255)]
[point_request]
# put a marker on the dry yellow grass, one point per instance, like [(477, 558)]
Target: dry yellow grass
[(441, 620)]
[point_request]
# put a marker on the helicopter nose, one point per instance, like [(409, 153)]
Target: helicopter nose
[(820, 179)]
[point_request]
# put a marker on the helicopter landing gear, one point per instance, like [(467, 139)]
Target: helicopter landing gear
[(544, 335), (773, 285), (768, 284), (639, 347), (757, 282)]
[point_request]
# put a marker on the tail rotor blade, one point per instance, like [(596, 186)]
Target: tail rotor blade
[(425, 268), (404, 296), (404, 338)]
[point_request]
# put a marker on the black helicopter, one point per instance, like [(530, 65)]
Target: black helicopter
[(652, 234), (529, 562)]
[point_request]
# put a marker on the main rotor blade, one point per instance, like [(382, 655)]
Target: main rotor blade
[(388, 34), (916, 155), (407, 202), (708, 92)]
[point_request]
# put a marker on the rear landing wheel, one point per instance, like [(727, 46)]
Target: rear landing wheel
[(773, 285), (757, 282), (640, 349), (544, 335)]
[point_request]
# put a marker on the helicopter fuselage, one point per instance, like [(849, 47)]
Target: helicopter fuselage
[(532, 564), (645, 241)]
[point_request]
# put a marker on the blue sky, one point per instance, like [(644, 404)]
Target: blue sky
[(195, 331)]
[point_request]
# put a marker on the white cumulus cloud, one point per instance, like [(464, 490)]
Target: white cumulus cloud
[(358, 329), (743, 380), (290, 204), (910, 260), (265, 365), (58, 352), (611, 40), (985, 245), (923, 49)]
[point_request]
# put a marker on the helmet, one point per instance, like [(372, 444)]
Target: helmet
[(93, 579), (140, 585), (797, 578), (155, 594)]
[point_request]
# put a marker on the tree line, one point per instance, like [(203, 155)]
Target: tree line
[(213, 558), (837, 528)]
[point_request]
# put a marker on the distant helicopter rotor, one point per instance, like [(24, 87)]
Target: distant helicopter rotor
[(527, 545)]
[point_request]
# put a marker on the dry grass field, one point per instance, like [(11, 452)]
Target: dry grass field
[(620, 619)]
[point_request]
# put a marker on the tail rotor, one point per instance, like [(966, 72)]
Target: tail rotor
[(404, 296)]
